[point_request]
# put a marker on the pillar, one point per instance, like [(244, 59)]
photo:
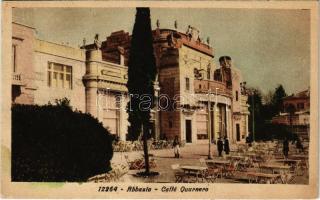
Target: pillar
[(247, 125), (122, 119), (92, 101)]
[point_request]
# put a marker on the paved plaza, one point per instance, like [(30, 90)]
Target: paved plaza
[(190, 155)]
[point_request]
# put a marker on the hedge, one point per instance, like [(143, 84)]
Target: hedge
[(54, 143)]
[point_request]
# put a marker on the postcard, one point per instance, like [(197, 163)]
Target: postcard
[(159, 99)]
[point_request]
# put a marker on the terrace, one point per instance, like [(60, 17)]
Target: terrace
[(204, 86)]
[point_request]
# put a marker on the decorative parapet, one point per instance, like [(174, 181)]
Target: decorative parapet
[(59, 50), (105, 74), (177, 39), (204, 86), (17, 79)]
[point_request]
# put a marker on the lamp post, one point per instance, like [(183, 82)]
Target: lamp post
[(253, 131), (252, 93), (216, 103), (209, 125)]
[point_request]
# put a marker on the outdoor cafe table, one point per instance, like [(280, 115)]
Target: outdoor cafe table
[(194, 170), (218, 162), (288, 161), (293, 157), (236, 157), (275, 167), (259, 177)]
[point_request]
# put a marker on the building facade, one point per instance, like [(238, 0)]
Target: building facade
[(196, 100), (296, 114)]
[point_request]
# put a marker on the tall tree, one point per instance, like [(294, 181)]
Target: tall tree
[(141, 77), (255, 108), (277, 99)]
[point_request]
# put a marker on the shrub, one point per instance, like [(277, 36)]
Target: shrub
[(54, 143)]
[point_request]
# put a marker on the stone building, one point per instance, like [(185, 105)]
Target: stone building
[(190, 85), (300, 116), (195, 98)]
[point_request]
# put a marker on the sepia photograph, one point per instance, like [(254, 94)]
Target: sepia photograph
[(146, 99)]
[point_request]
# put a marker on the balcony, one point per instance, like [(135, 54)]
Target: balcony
[(203, 86), (17, 79)]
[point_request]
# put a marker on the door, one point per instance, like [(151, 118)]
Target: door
[(188, 131), (238, 132)]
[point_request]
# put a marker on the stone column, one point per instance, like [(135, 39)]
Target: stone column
[(157, 113), (91, 101), (216, 121), (122, 119), (227, 122), (91, 83), (247, 125)]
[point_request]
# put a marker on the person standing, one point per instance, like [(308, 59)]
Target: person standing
[(176, 147), (220, 146), (285, 147), (299, 145), (226, 145)]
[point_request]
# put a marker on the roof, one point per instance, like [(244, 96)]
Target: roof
[(303, 94)]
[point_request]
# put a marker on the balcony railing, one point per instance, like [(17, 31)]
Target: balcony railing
[(17, 79), (203, 86)]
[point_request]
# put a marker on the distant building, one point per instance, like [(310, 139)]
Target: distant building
[(299, 117), (202, 98)]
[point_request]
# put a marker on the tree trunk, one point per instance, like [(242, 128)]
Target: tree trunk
[(145, 149)]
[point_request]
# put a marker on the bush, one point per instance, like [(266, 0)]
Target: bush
[(54, 143)]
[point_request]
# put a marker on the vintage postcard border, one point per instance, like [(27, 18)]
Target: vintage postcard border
[(89, 190)]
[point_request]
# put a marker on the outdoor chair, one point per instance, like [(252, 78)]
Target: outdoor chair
[(178, 173), (202, 162), (212, 174), (231, 168), (136, 164)]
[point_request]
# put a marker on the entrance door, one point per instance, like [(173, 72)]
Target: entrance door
[(238, 132), (188, 131)]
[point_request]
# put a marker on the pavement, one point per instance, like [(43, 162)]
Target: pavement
[(190, 155)]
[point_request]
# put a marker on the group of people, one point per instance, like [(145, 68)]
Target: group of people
[(223, 146)]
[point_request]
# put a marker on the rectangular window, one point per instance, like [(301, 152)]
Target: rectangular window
[(187, 84), (237, 96), (59, 76)]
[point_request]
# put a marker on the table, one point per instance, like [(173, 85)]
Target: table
[(194, 170), (236, 157), (288, 161), (260, 177), (218, 162), (298, 157), (274, 167)]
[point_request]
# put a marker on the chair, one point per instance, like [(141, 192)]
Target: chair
[(212, 174), (202, 162), (178, 174), (231, 168)]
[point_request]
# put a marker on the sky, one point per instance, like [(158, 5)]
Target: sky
[(269, 46)]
